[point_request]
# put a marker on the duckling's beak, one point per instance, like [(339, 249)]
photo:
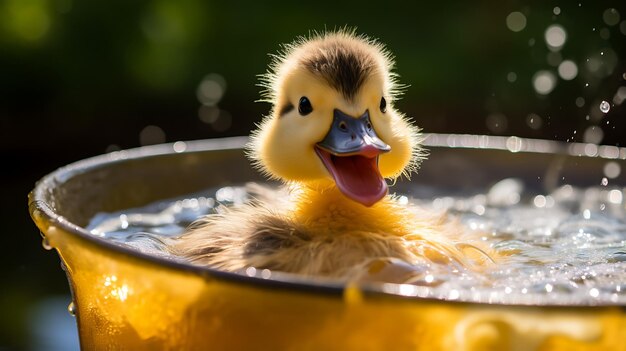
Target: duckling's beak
[(350, 154)]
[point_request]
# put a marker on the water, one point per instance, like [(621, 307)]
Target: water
[(564, 247), (605, 107)]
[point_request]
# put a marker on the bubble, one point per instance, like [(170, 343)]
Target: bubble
[(534, 121), (516, 21), (544, 82), (605, 107), (211, 89), (555, 37), (511, 77), (612, 169), (611, 16), (580, 101), (568, 70), (151, 135), (593, 135), (556, 10)]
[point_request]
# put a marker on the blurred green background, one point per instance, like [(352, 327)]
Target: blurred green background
[(80, 78)]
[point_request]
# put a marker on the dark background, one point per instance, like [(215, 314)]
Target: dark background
[(80, 78)]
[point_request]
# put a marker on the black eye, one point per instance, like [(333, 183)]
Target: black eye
[(383, 105), (304, 107)]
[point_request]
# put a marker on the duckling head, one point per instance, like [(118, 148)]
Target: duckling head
[(333, 122)]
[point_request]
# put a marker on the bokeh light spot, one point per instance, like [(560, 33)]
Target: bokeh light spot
[(151, 135), (534, 121), (211, 89), (497, 122), (593, 135), (568, 70), (620, 96), (555, 37), (544, 82), (29, 20), (511, 77), (611, 16), (612, 170), (516, 21)]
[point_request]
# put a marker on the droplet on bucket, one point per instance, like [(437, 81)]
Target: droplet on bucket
[(71, 308), (605, 107), (46, 245)]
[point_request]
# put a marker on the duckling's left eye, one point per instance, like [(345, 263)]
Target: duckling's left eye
[(383, 105), (304, 106)]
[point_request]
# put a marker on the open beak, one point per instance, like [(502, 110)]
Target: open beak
[(350, 153)]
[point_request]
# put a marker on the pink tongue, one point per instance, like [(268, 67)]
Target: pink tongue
[(358, 178)]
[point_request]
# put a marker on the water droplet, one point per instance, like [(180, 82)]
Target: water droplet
[(605, 107), (71, 308), (604, 181), (46, 245)]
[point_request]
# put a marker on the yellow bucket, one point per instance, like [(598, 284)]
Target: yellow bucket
[(127, 300)]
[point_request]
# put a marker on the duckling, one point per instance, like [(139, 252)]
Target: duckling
[(333, 136)]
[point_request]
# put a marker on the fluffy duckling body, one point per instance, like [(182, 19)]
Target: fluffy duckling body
[(333, 137)]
